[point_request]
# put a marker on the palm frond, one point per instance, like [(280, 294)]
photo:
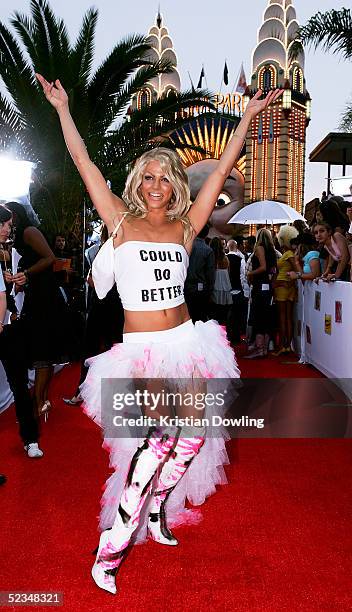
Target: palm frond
[(331, 30), (51, 39), (148, 125), (295, 49), (166, 108), (10, 125), (12, 131), (346, 119), (16, 72), (111, 108), (144, 75), (9, 116), (24, 28), (116, 69), (82, 55), (128, 50)]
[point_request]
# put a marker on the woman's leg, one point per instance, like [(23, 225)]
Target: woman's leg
[(16, 369), (281, 307), (190, 440), (114, 542), (289, 322), (188, 445), (41, 385)]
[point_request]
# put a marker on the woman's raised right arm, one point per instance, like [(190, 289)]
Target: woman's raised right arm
[(107, 204)]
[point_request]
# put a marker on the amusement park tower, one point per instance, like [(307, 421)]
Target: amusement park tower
[(162, 47), (275, 144)]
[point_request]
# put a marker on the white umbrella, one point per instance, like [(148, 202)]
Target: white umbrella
[(266, 211)]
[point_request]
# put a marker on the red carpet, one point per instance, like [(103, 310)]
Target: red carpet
[(277, 538)]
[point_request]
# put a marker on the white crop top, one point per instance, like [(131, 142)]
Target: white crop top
[(148, 275)]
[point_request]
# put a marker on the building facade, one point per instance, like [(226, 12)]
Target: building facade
[(276, 142), (272, 162), (162, 48)]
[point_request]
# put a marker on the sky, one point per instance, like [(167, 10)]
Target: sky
[(210, 32)]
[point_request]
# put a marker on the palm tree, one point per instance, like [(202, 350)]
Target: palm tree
[(29, 127), (333, 32)]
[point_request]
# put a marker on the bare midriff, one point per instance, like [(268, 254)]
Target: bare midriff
[(156, 320)]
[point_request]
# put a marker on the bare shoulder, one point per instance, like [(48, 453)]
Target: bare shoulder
[(338, 237), (113, 213), (34, 238), (33, 233)]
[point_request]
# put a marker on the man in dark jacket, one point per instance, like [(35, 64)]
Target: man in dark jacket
[(200, 279)]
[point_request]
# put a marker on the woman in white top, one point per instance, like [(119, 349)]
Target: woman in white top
[(152, 230)]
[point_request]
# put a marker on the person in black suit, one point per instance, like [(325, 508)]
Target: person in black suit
[(236, 317), (200, 279)]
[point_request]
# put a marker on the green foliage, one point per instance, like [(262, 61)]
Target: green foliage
[(346, 119), (29, 126), (333, 32)]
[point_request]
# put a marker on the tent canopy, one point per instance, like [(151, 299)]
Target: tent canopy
[(335, 149)]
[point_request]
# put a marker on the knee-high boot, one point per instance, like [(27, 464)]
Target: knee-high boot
[(172, 471), (114, 541)]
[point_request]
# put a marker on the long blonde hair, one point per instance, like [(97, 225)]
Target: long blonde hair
[(265, 239), (180, 202)]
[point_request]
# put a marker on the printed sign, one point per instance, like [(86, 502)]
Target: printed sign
[(328, 324), (338, 312)]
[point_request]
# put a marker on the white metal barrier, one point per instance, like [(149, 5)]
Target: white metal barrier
[(323, 327)]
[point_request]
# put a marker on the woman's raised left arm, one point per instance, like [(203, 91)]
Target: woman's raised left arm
[(207, 197)]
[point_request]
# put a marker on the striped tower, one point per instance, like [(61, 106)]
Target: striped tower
[(276, 141), (162, 48)]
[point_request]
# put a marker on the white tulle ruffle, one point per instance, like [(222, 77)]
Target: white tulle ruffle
[(174, 354)]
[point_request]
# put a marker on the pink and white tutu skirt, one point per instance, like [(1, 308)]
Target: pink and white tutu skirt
[(199, 350)]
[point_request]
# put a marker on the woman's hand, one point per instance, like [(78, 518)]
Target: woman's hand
[(20, 279), (292, 275), (7, 276), (256, 106), (329, 277), (54, 92)]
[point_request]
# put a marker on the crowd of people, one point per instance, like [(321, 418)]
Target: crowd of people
[(246, 283), (249, 283)]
